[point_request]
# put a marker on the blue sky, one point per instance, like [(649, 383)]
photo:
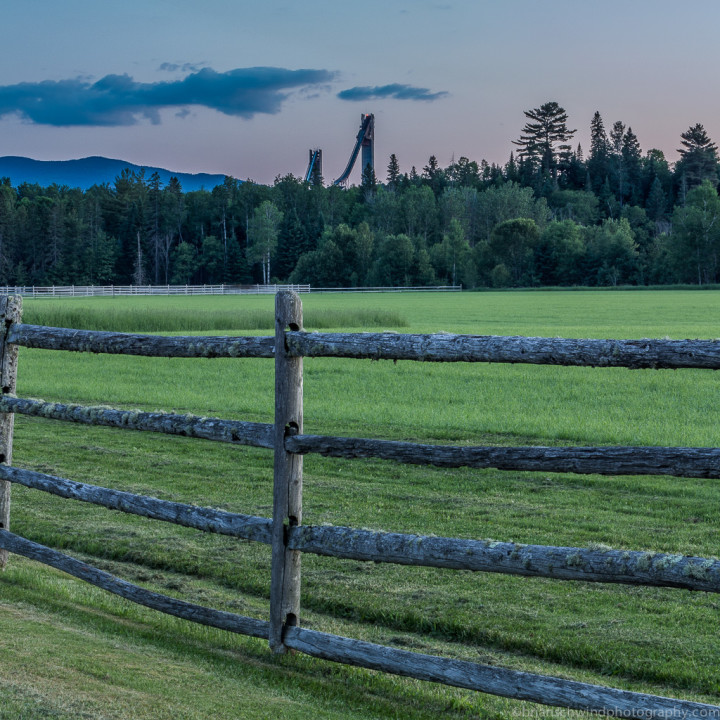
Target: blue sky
[(246, 88)]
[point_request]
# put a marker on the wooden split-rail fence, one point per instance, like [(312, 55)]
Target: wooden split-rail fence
[(289, 538)]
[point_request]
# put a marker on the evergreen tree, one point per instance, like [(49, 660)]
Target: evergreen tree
[(654, 165), (632, 163), (434, 176), (656, 203), (464, 172), (616, 160), (369, 182), (512, 173), (292, 243), (393, 172), (598, 163), (540, 137), (698, 157)]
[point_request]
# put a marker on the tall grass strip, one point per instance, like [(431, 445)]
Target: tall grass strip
[(136, 318)]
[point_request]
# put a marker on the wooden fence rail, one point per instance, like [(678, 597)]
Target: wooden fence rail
[(595, 564), (238, 432), (612, 460), (654, 354), (445, 347), (289, 538), (458, 673), (96, 341)]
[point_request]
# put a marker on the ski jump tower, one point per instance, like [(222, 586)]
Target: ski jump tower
[(364, 141), (314, 168)]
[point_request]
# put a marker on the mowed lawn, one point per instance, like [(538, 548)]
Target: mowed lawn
[(72, 651)]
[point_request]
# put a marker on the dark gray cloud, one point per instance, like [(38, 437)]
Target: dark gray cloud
[(119, 100), (395, 91), (183, 67)]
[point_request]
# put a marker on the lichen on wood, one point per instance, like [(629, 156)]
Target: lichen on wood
[(237, 432)]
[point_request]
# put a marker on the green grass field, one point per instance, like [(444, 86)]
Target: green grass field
[(70, 650)]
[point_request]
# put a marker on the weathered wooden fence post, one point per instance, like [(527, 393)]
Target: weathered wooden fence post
[(287, 489), (10, 311)]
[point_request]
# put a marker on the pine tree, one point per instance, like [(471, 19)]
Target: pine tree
[(698, 157), (540, 137), (656, 203)]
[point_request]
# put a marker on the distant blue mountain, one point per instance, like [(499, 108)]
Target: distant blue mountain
[(92, 171)]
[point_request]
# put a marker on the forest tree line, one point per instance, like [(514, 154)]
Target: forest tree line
[(553, 215)]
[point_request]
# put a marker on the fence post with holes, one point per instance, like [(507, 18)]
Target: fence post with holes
[(287, 486), (10, 311)]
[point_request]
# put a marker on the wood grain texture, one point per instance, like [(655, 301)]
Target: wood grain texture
[(444, 347), (178, 608), (288, 469), (593, 564), (10, 313), (514, 684), (600, 564), (236, 432), (97, 341), (604, 460), (458, 673), (249, 527)]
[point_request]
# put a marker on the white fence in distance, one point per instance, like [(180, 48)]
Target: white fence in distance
[(55, 291)]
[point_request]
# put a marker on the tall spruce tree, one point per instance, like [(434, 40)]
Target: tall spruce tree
[(632, 163), (598, 163), (616, 160), (393, 172)]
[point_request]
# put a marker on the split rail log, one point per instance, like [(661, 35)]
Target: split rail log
[(443, 347), (178, 608), (10, 313), (248, 527), (114, 343), (287, 474), (495, 680), (594, 564), (599, 564), (513, 684), (603, 460), (237, 432)]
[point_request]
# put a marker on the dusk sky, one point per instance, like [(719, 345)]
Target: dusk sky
[(247, 88)]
